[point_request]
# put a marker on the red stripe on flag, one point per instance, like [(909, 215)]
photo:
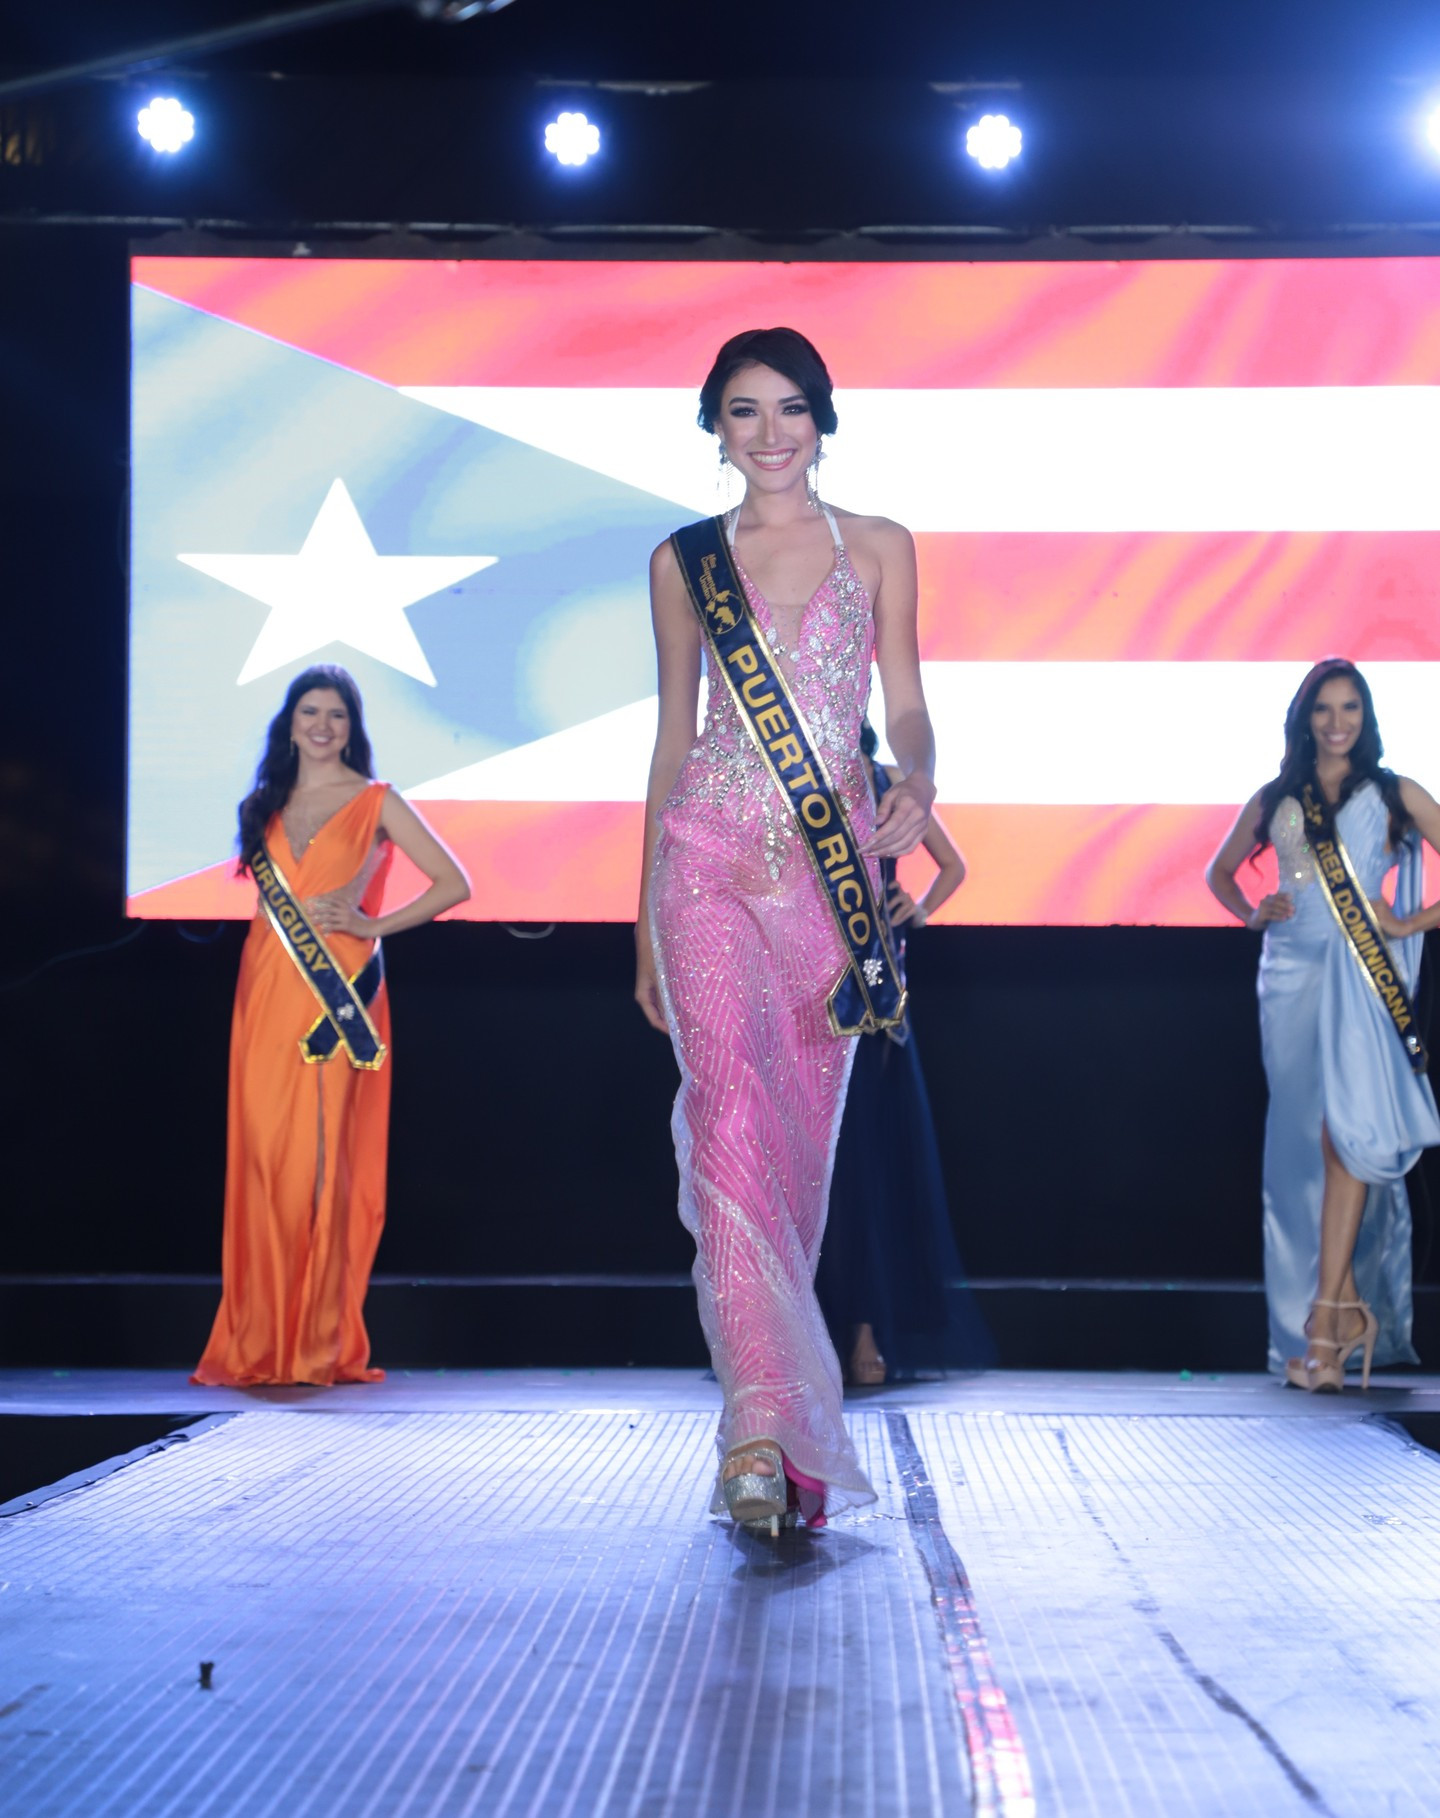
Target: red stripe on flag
[(1220, 597), (658, 322), (528, 862), (212, 895), (543, 861), (1087, 866)]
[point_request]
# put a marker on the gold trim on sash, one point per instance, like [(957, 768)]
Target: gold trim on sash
[(1352, 910), (309, 964), (319, 1060), (843, 848)]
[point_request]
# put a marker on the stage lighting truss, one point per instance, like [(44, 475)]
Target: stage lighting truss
[(572, 139), (456, 12), (165, 125), (993, 141)]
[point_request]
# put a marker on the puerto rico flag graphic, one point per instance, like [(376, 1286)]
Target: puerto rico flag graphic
[(1146, 497)]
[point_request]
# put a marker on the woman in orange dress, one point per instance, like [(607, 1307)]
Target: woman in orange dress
[(305, 1165)]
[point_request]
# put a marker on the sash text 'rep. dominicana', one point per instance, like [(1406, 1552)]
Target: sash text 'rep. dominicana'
[(1362, 935)]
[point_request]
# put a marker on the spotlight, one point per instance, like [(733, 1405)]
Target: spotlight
[(1432, 129), (572, 138), (165, 124), (993, 141)]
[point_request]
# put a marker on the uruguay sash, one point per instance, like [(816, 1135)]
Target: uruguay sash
[(1351, 908), (344, 1018), (870, 993)]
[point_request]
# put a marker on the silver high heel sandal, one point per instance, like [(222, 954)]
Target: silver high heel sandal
[(756, 1502)]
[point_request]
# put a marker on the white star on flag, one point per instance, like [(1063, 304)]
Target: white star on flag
[(337, 589)]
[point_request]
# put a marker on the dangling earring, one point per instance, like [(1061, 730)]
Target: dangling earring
[(293, 752), (345, 755), (812, 477), (723, 488)]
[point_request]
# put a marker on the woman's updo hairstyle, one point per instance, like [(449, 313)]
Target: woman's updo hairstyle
[(784, 350)]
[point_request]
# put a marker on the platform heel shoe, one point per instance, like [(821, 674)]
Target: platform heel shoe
[(1308, 1373), (757, 1503)]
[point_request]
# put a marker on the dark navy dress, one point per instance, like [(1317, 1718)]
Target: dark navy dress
[(888, 1258)]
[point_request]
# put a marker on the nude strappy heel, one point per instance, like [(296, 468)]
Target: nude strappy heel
[(754, 1501), (867, 1370), (1308, 1373)]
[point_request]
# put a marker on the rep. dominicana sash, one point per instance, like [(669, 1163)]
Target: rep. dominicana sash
[(1351, 908), (870, 993), (344, 1019)]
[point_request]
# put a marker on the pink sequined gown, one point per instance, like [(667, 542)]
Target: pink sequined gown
[(746, 951)]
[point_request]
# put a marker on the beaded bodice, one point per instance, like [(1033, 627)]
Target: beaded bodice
[(826, 660), (1293, 856), (1363, 824)]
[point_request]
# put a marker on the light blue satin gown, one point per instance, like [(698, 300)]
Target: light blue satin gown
[(1332, 1055)]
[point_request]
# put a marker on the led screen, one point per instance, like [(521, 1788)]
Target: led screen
[(1146, 496)]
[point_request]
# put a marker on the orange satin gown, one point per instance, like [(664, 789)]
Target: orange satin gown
[(306, 1148)]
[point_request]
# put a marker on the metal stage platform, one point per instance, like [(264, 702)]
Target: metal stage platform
[(501, 1593)]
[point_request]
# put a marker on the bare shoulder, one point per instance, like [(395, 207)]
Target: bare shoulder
[(1256, 802), (1414, 795), (883, 553), (882, 537), (1249, 819), (395, 812), (667, 583)]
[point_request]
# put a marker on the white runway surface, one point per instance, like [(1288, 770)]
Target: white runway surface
[(501, 1593)]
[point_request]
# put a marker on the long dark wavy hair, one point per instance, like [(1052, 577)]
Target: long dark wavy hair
[(280, 762), (1298, 766)]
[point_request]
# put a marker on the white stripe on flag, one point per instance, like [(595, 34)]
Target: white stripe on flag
[(1174, 459), (1056, 733), (1082, 733), (601, 760)]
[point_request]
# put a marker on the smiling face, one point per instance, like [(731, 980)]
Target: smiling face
[(320, 725), (766, 429), (1337, 718)]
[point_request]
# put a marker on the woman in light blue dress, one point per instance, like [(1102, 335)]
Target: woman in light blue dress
[(1349, 1114)]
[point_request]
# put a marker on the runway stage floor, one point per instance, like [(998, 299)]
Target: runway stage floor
[(501, 1593)]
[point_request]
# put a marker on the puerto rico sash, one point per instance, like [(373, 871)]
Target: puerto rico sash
[(1351, 908), (870, 993), (344, 1018)]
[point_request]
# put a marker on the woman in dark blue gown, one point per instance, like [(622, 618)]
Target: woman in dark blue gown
[(889, 1273)]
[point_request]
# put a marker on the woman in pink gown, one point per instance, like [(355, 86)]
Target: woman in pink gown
[(737, 947)]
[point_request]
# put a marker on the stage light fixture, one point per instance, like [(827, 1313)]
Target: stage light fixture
[(165, 124), (993, 141), (572, 138)]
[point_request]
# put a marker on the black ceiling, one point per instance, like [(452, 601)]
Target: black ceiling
[(637, 39), (1275, 117)]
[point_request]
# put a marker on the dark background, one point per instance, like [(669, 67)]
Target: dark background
[(1098, 1091)]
